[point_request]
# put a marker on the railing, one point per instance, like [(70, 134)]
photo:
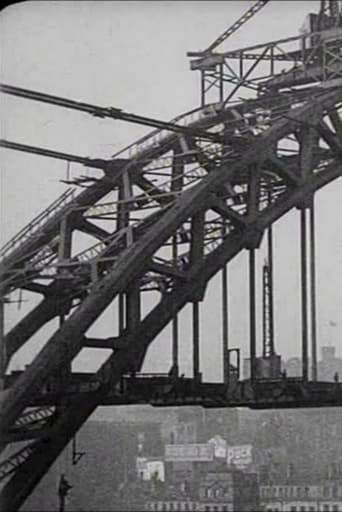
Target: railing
[(41, 260), (36, 223), (14, 461), (153, 139), (47, 260), (147, 376), (34, 416), (97, 249), (156, 137)]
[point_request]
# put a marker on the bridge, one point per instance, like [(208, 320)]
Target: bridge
[(185, 200)]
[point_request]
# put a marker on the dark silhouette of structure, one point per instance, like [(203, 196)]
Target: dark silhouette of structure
[(188, 198)]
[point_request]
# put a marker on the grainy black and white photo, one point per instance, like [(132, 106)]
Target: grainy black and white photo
[(171, 256)]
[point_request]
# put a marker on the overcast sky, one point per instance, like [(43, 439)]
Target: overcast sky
[(133, 55)]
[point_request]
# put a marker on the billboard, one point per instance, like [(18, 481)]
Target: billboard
[(220, 446), (189, 452), (149, 469), (239, 456)]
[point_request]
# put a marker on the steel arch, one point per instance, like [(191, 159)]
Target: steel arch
[(299, 183)]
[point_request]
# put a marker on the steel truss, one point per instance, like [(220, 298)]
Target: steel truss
[(312, 57), (226, 187), (184, 201)]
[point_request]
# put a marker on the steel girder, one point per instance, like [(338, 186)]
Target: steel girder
[(132, 263), (23, 252), (72, 418), (113, 170)]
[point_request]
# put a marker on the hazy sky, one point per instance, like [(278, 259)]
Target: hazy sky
[(133, 55)]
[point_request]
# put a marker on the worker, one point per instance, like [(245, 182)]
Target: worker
[(336, 377), (63, 490)]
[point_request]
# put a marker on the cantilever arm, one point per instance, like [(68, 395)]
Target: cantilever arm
[(111, 112), (89, 162)]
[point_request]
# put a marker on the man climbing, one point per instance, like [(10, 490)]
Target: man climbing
[(63, 490)]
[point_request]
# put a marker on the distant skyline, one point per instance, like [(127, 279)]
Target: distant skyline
[(132, 55)]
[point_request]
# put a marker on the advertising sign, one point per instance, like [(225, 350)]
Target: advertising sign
[(155, 469), (239, 456), (220, 446), (149, 469), (189, 452)]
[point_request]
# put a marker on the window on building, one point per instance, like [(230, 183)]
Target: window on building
[(302, 509), (293, 509), (207, 509), (171, 506), (326, 508), (224, 508), (335, 508), (312, 509)]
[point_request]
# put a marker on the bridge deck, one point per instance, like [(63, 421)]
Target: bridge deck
[(162, 390)]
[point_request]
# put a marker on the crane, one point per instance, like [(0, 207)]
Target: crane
[(216, 71), (256, 7), (328, 7), (208, 62), (237, 24)]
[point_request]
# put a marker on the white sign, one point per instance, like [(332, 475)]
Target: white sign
[(150, 469), (220, 446), (189, 452), (240, 456), (155, 469)]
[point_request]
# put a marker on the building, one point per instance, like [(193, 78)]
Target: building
[(330, 367), (220, 490), (301, 498)]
